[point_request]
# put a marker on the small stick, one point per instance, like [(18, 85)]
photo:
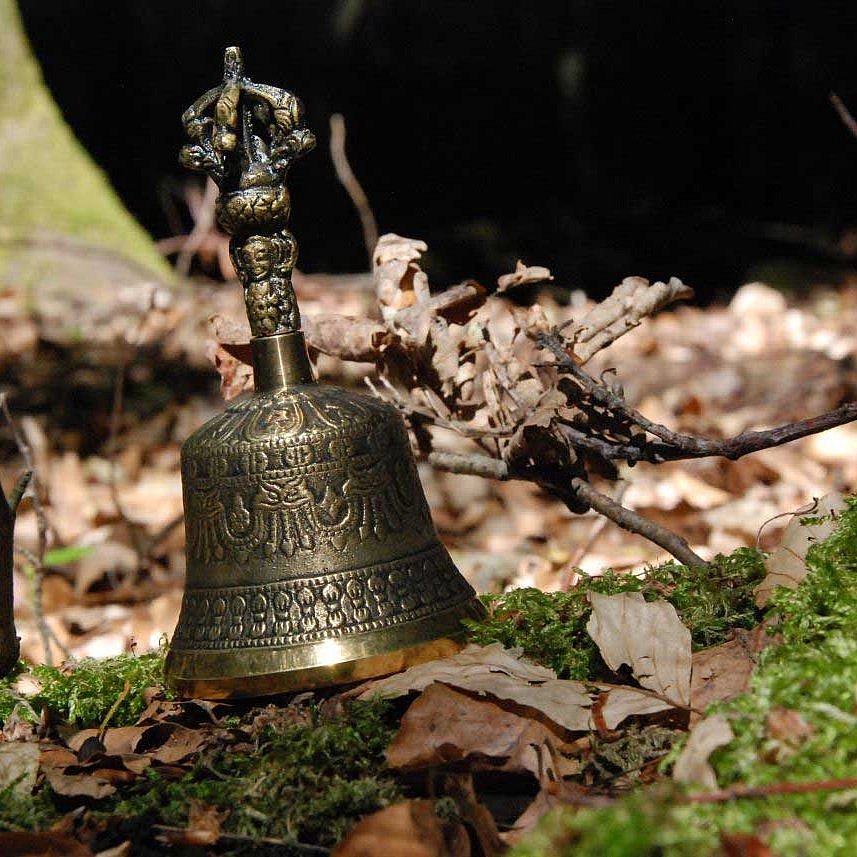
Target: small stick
[(844, 114), (352, 186), (635, 523)]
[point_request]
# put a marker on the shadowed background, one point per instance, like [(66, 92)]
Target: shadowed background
[(597, 138)]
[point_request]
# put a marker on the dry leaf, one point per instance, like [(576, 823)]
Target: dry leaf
[(616, 703), (523, 275), (203, 827), (473, 660), (89, 784), (499, 673), (19, 765), (787, 564), (41, 845), (719, 673), (399, 281), (408, 829), (648, 636), (446, 726), (692, 765)]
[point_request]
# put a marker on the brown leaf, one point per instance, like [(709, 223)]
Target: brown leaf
[(523, 275), (692, 765), (446, 726), (170, 743), (501, 674), (719, 673), (236, 376), (744, 845), (631, 301), (94, 784), (617, 703), (116, 741), (41, 845), (408, 829), (648, 636)]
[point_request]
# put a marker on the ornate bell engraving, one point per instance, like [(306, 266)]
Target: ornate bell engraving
[(311, 555)]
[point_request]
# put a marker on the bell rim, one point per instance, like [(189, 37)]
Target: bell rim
[(215, 674)]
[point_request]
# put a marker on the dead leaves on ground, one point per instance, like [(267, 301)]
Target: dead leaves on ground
[(93, 763)]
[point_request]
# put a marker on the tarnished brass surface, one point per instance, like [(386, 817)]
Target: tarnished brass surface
[(311, 555)]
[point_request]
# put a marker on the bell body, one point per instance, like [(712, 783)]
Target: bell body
[(311, 555)]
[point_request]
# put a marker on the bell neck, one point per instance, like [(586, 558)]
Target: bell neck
[(281, 361)]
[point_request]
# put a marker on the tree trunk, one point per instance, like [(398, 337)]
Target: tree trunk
[(54, 197)]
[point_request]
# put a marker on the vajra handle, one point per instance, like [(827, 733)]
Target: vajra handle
[(245, 136)]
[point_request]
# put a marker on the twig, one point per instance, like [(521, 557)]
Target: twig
[(472, 465), (844, 114), (594, 534), (677, 446), (635, 523), (203, 223), (352, 186), (742, 791), (36, 596), (178, 835)]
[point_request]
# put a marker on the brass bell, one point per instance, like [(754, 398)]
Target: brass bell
[(312, 559)]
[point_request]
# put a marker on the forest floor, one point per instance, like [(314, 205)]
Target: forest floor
[(119, 767)]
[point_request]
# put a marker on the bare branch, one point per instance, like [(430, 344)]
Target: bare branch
[(473, 465), (634, 523), (677, 446), (352, 186), (844, 113)]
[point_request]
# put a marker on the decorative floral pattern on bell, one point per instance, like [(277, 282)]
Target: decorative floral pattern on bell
[(296, 470), (330, 605)]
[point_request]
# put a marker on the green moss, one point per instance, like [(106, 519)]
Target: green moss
[(26, 812), (814, 673), (84, 693), (307, 782), (550, 627)]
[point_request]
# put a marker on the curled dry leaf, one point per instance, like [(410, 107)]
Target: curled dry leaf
[(692, 767), (399, 281), (649, 637), (523, 275), (787, 564), (631, 301), (616, 703), (408, 829)]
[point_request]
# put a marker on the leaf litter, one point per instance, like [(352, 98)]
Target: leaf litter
[(577, 726)]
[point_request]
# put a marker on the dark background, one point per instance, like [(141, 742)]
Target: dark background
[(598, 138)]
